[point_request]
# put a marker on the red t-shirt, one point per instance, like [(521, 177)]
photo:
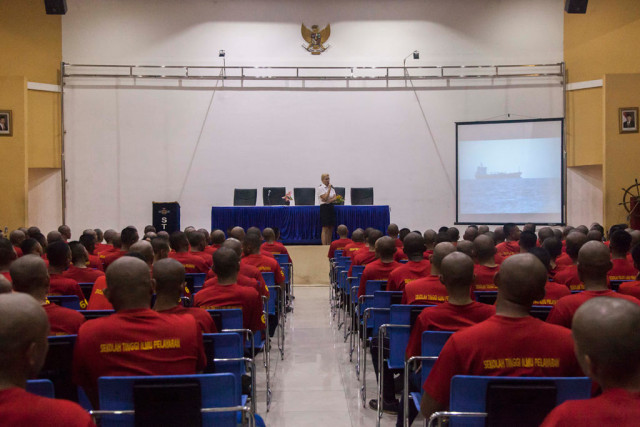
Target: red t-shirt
[(18, 251), (245, 270), (63, 321), (506, 249), (265, 264), (614, 407), (338, 245), (7, 275), (562, 313), (503, 346), (630, 288), (399, 255), (136, 342), (376, 270), (206, 323), (112, 256), (97, 300), (498, 259), (21, 408), (234, 296), (242, 280), (399, 243), (406, 273), (446, 317), (102, 247), (483, 280), (362, 257), (552, 293), (275, 248), (212, 249), (622, 270), (428, 290), (192, 263), (208, 258), (563, 261), (82, 275), (95, 262), (569, 277), (352, 248), (427, 254), (60, 285)]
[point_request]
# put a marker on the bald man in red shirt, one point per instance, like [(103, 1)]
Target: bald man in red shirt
[(416, 268), (192, 263), (197, 245), (569, 275), (135, 340), (367, 254), (217, 239), (272, 246), (632, 288), (78, 270), (622, 268), (429, 290), (357, 238), (265, 264), (486, 268), (381, 268), (552, 291), (59, 256), (341, 243), (128, 236), (510, 246)]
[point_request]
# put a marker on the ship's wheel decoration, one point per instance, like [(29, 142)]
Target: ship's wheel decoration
[(629, 195)]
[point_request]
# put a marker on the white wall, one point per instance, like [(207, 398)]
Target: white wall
[(129, 146), (584, 195), (45, 199)]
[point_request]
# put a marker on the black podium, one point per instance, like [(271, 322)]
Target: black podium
[(166, 216)]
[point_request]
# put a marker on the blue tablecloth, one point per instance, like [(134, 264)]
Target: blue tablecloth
[(298, 224)]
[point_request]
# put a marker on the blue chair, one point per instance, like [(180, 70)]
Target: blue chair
[(469, 396), (218, 391), (42, 388), (338, 253), (432, 343), (540, 311), (269, 278), (58, 366), (67, 301), (486, 297), (195, 281), (275, 307), (86, 289), (95, 314)]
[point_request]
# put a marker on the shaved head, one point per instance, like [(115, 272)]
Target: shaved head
[(429, 238), (593, 262), (470, 234), (169, 276), (414, 245), (237, 233), (5, 285), (439, 252), (594, 234), (605, 331), (457, 271), (226, 263), (466, 247), (145, 249), (16, 237), (385, 247), (358, 235), (483, 229), (544, 233), (251, 243), (521, 279), (23, 338), (54, 236), (268, 234), (393, 230), (217, 237), (128, 284), (343, 231), (29, 275), (233, 244), (575, 240), (484, 247)]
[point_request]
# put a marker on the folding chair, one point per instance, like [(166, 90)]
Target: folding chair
[(275, 307), (67, 301), (486, 297), (42, 388), (195, 281), (480, 401), (58, 366), (86, 289), (287, 269), (540, 311), (432, 343), (371, 287), (170, 400)]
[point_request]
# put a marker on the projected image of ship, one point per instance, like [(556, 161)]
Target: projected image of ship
[(481, 173)]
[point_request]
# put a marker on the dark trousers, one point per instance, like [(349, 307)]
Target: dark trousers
[(387, 376), (414, 385)]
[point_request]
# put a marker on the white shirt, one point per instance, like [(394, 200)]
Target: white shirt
[(321, 190)]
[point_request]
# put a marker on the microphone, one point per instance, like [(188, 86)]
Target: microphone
[(269, 196)]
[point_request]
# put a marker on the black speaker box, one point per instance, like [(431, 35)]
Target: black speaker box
[(55, 7), (576, 6)]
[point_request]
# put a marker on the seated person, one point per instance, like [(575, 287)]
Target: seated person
[(198, 244), (30, 276), (358, 243), (429, 290), (486, 268), (253, 257), (381, 268), (619, 246), (31, 246), (59, 255), (23, 349), (272, 246), (528, 240), (513, 334), (465, 247), (470, 233), (78, 269), (554, 248), (568, 275), (416, 268), (342, 242), (393, 231), (228, 294), (93, 259), (128, 236), (16, 237), (169, 285), (543, 234), (65, 232), (161, 248), (632, 288), (135, 340), (552, 291), (367, 254), (7, 256), (510, 246), (192, 263), (217, 239), (607, 346), (593, 265), (106, 247)]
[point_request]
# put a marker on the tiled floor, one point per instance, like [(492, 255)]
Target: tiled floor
[(315, 384)]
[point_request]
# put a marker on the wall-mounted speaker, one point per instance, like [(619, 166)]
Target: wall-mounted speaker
[(55, 7), (576, 6)]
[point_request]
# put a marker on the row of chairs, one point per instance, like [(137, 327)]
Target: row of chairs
[(379, 314), (306, 196)]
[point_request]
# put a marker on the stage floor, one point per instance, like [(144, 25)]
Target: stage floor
[(310, 264)]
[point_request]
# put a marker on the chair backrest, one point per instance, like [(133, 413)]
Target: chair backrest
[(225, 345), (338, 253), (486, 297), (86, 289), (615, 284), (274, 297), (362, 196), (357, 270), (42, 388), (304, 196), (195, 281), (273, 196), (340, 191), (382, 301), (227, 318), (269, 278), (68, 301), (95, 314), (373, 286), (245, 196), (469, 394), (283, 259), (399, 337), (540, 311), (217, 390), (432, 343), (58, 366)]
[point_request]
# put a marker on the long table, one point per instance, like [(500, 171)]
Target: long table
[(298, 224)]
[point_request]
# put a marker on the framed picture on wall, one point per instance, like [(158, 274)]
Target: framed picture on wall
[(6, 125), (628, 120)]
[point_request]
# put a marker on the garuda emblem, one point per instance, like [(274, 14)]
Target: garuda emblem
[(316, 38)]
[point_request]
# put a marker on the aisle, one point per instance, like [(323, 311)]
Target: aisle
[(315, 384)]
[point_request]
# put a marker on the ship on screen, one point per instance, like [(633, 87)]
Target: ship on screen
[(481, 173)]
